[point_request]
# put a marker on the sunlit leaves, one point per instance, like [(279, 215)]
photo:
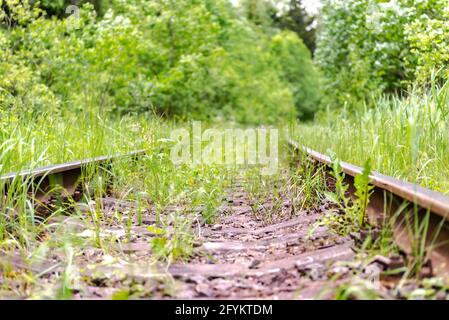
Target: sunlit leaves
[(183, 59), (371, 47)]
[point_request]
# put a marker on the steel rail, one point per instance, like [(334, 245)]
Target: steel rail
[(389, 194), (66, 175), (60, 168), (428, 199)]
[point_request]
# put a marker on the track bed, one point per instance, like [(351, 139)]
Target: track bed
[(260, 248)]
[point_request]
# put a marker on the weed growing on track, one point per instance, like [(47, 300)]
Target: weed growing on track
[(400, 282), (351, 212), (299, 185), (264, 193), (363, 191), (180, 198), (308, 179), (349, 218), (422, 238)]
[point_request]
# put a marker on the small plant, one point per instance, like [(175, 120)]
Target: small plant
[(421, 239), (306, 182), (174, 245), (339, 196), (354, 208), (363, 191), (65, 291), (357, 290)]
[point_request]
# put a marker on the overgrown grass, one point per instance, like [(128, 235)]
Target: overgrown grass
[(407, 138), (34, 140), (180, 197)]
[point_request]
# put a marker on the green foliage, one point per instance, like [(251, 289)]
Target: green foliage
[(188, 58), (259, 12), (252, 92), (295, 18), (15, 12), (429, 41), (341, 188), (354, 217), (370, 47), (53, 7), (296, 69), (58, 7), (30, 140), (363, 191), (405, 137)]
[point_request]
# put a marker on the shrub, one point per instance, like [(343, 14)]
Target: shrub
[(192, 58), (369, 47), (58, 7), (429, 42), (296, 68)]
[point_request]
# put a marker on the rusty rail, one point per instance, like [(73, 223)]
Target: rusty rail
[(389, 194), (66, 175)]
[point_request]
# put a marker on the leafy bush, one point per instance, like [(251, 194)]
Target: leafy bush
[(369, 47), (252, 89), (294, 65), (58, 7), (192, 58), (429, 41)]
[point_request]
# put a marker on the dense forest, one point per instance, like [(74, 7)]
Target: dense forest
[(179, 59)]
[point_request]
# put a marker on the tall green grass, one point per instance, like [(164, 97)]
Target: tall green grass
[(30, 140), (33, 140), (405, 137), (152, 182)]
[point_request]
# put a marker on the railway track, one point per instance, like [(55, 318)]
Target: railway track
[(262, 245), (66, 176), (388, 197)]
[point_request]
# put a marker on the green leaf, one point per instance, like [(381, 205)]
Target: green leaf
[(155, 230), (120, 295), (363, 191)]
